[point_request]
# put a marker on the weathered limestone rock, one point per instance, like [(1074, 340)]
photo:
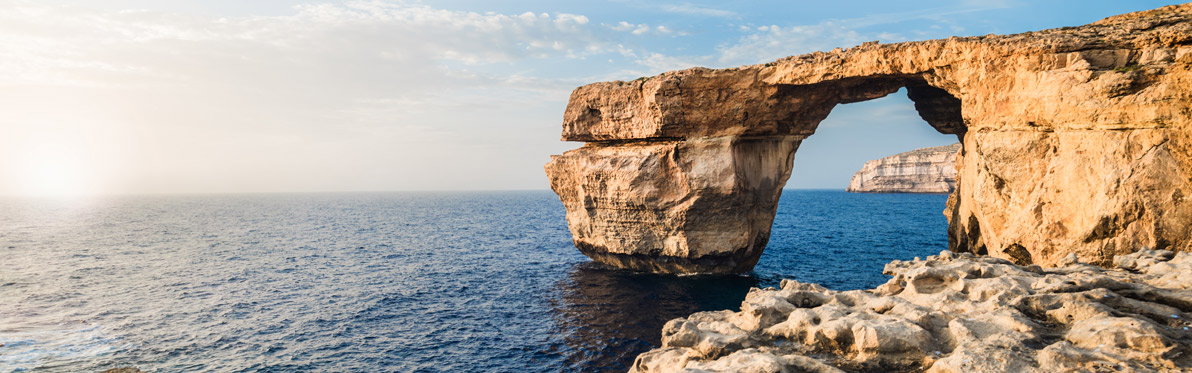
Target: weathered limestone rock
[(953, 313), (701, 205), (926, 170), (1074, 140)]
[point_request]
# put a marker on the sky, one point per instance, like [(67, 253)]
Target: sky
[(232, 96)]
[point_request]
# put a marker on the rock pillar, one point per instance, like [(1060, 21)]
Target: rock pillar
[(702, 205)]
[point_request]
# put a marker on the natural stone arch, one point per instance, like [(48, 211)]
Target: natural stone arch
[(711, 188), (1074, 141)]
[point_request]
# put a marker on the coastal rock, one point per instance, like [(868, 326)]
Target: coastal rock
[(925, 170), (1073, 140), (700, 205), (952, 313)]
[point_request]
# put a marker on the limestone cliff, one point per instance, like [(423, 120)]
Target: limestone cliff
[(952, 313), (925, 170), (1074, 140)]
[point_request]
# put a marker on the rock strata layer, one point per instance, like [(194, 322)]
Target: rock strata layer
[(953, 313), (925, 170), (1074, 140)]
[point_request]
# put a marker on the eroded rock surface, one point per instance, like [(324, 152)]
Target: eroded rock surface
[(1074, 140), (953, 313), (925, 170)]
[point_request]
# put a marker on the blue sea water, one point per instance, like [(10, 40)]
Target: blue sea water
[(422, 282)]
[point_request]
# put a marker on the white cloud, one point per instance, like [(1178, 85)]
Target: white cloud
[(380, 94), (689, 9), (773, 42), (622, 26), (569, 21), (766, 43), (289, 102), (769, 42), (658, 62), (69, 43), (642, 29)]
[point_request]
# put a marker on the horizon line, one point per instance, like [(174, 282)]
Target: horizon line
[(166, 194)]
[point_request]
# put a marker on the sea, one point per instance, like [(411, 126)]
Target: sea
[(380, 282)]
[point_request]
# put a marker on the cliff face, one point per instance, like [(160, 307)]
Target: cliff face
[(1074, 140), (926, 170)]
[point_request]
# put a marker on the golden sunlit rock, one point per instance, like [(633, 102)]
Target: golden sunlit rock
[(1074, 140)]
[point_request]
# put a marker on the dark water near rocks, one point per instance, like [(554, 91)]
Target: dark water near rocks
[(384, 282)]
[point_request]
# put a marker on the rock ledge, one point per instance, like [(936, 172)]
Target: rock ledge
[(953, 313)]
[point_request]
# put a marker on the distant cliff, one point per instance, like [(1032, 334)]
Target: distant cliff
[(926, 170)]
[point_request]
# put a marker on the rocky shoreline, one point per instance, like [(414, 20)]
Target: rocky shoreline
[(953, 313)]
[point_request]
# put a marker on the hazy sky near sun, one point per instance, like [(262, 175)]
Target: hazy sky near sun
[(152, 96)]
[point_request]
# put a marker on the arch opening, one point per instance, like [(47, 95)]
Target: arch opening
[(812, 103), (816, 220)]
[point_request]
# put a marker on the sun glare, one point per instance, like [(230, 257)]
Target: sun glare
[(55, 177), (49, 169)]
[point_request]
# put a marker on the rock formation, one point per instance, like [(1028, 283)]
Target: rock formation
[(1074, 140), (953, 313), (925, 170)]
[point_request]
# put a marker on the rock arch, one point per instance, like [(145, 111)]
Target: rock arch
[(1075, 140)]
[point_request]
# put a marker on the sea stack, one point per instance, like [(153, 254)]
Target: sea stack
[(924, 170), (1073, 141)]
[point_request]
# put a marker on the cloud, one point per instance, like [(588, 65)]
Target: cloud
[(769, 42), (72, 44), (689, 9), (273, 103), (641, 29), (371, 94), (657, 62)]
